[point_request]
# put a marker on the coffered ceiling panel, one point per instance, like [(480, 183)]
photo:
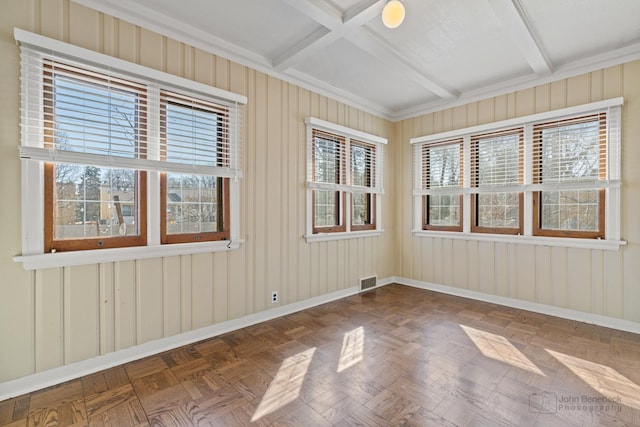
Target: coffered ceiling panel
[(446, 52)]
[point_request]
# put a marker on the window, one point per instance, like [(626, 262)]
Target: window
[(442, 179), (570, 155), (363, 174), (549, 175), (123, 156), (344, 180), (93, 114), (328, 157), (194, 207), (496, 164)]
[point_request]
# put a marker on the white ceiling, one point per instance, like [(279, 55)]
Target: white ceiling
[(447, 52)]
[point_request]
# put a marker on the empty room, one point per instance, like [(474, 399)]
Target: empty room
[(320, 213)]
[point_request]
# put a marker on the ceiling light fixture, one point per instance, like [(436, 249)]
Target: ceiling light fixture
[(393, 14)]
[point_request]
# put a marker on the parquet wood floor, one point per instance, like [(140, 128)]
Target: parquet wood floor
[(393, 356)]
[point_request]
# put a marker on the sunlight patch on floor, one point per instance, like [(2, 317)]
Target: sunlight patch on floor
[(352, 349), (286, 385), (499, 348), (605, 380)]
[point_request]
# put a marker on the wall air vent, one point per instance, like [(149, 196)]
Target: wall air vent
[(368, 283)]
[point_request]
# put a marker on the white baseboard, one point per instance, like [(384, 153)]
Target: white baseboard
[(72, 371), (596, 319)]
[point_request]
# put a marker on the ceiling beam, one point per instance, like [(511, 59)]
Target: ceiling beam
[(334, 28), (514, 19), (350, 26)]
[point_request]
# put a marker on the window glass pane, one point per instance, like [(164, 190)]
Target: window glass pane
[(327, 159), (498, 210), (92, 117), (444, 166), (576, 210), (94, 202), (444, 210), (192, 204), (361, 209), (498, 160), (361, 165), (326, 213), (571, 152), (192, 135)]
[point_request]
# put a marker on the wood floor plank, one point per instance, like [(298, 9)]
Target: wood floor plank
[(395, 355)]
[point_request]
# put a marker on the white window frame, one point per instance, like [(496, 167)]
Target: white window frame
[(612, 184), (348, 133), (32, 176)]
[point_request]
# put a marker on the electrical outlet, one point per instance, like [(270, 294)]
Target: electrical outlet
[(274, 297)]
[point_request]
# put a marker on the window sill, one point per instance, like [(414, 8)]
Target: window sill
[(325, 237), (68, 259), (610, 245)]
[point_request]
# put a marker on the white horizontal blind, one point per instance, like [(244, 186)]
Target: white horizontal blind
[(366, 166), (571, 150), (341, 163), (496, 160), (198, 133), (439, 167), (81, 114), (328, 160)]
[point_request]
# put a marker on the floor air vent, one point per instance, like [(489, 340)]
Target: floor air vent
[(368, 282)]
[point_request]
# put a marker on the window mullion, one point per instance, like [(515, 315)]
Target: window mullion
[(466, 183), (346, 209), (527, 213), (153, 177)]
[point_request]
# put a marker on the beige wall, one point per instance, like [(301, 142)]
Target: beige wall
[(53, 317), (592, 281)]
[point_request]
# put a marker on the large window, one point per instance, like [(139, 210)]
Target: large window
[(442, 178), (570, 155), (344, 180), (122, 156), (549, 175), (194, 207), (497, 164)]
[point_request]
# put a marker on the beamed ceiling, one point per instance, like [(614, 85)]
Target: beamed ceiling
[(447, 52)]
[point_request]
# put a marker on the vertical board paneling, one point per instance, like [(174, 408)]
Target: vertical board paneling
[(613, 284), (448, 261), (579, 279), (81, 314), (597, 282), (48, 319), (52, 18), (106, 304), (84, 26), (487, 267), (126, 329), (558, 94), (473, 272), (543, 275), (220, 287), (526, 272), (150, 305), (201, 290), (579, 90), (186, 293), (502, 267), (559, 277), (171, 296), (427, 252), (152, 50), (460, 279), (273, 211)]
